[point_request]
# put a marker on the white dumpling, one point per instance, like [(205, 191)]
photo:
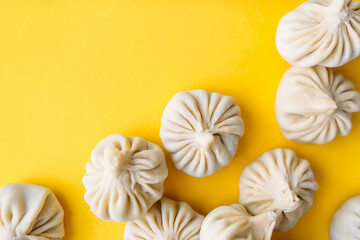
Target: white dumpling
[(235, 223), (124, 178), (201, 130), (345, 224), (278, 181), (314, 105), (166, 220), (320, 32), (30, 212)]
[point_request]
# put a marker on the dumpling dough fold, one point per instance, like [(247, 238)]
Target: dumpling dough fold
[(124, 178), (166, 220), (30, 212), (320, 32), (345, 224), (281, 182), (314, 105), (235, 223), (201, 130)]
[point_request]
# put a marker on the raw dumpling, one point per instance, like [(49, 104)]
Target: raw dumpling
[(201, 130), (314, 105), (320, 32), (235, 223), (124, 178), (30, 212), (278, 181), (345, 224), (166, 220)]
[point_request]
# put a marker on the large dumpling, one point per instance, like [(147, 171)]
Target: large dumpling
[(201, 130), (345, 224), (281, 182), (235, 223), (124, 178), (166, 220), (320, 32), (314, 105), (30, 212)]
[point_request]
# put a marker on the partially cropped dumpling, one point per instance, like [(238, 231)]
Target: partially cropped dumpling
[(314, 105), (235, 223), (166, 220), (124, 178), (345, 224), (30, 212), (281, 182), (320, 32), (201, 130)]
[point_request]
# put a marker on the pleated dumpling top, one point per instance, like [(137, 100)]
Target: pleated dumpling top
[(124, 178), (166, 220), (320, 32), (314, 105), (30, 212), (280, 182), (200, 130)]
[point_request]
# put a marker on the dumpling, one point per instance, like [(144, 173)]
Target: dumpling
[(201, 130), (30, 212), (124, 178), (235, 223), (314, 105), (281, 182), (345, 224), (320, 32), (166, 220)]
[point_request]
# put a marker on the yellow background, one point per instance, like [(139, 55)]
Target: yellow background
[(75, 71)]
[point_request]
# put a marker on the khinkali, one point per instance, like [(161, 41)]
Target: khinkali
[(166, 220), (314, 105), (235, 223), (345, 224), (124, 178), (201, 130), (30, 212), (320, 32), (281, 182)]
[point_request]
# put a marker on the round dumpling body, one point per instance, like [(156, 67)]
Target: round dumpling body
[(124, 178), (30, 212), (320, 32), (281, 182), (345, 224), (314, 105), (235, 223), (166, 220), (201, 130)]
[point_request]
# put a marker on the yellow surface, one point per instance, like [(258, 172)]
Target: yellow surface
[(73, 72)]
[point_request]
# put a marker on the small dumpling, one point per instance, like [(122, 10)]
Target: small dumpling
[(201, 130), (345, 224), (166, 220), (235, 223), (30, 212), (281, 182), (314, 105), (124, 178), (320, 32)]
